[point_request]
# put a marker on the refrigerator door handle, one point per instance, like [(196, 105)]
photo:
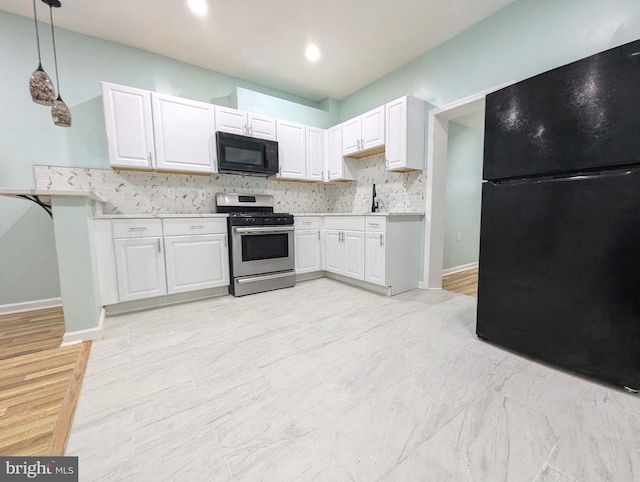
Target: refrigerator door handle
[(571, 176)]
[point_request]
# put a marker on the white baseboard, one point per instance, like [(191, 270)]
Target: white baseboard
[(73, 337), (457, 269), (30, 306)]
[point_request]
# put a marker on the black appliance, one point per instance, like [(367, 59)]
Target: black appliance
[(246, 155), (261, 243), (559, 266)]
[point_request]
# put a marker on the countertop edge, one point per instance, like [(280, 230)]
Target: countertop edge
[(219, 215), (159, 216), (384, 214), (13, 192)]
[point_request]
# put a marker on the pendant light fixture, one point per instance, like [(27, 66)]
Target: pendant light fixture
[(40, 85), (60, 113)]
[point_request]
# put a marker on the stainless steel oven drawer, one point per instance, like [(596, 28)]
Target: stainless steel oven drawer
[(247, 285)]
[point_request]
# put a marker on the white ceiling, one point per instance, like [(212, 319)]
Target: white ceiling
[(264, 40)]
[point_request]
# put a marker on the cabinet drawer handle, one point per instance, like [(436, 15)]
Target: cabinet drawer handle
[(375, 225), (306, 222), (199, 226), (138, 228)]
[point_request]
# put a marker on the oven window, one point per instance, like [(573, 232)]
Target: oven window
[(237, 155), (265, 246)]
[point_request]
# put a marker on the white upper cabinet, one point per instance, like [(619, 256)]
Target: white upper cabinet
[(373, 129), (405, 134), (351, 135), (364, 133), (129, 126), (339, 168), (244, 123), (300, 151), (315, 153), (291, 150), (146, 130), (184, 133), (262, 126)]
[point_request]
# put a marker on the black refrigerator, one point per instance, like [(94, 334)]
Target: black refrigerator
[(559, 266)]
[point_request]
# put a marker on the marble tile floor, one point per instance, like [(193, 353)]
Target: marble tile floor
[(328, 382)]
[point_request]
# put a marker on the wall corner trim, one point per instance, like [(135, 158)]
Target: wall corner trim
[(73, 337)]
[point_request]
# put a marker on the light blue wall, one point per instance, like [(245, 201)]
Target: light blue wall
[(463, 196), (523, 39)]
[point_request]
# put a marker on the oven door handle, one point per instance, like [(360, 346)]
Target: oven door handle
[(263, 230)]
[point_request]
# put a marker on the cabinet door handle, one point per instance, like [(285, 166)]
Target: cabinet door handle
[(358, 144), (318, 235), (150, 158), (159, 248), (381, 240), (250, 129)]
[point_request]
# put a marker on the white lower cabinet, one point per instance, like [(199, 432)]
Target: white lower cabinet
[(344, 246), (140, 271), (307, 249), (157, 257), (196, 262), (140, 268), (375, 258), (392, 251)]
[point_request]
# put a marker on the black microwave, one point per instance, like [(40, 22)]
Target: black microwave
[(246, 155)]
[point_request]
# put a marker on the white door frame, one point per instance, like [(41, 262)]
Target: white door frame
[(437, 143)]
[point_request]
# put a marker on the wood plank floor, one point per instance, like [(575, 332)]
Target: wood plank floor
[(463, 282), (39, 383)]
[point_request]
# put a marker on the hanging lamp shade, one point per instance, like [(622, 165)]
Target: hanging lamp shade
[(40, 85), (60, 113)]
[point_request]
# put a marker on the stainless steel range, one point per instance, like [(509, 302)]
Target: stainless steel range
[(261, 243)]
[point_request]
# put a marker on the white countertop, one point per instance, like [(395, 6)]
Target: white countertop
[(218, 215), (48, 193), (159, 216), (386, 214)]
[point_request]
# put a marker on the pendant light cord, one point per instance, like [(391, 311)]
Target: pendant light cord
[(55, 55), (35, 18)]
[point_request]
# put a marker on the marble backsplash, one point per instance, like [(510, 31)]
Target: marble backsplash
[(141, 192), (396, 191)]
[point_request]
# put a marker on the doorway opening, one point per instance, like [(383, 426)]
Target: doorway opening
[(466, 109)]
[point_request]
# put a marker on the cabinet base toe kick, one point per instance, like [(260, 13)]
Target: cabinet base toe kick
[(383, 290), (248, 285)]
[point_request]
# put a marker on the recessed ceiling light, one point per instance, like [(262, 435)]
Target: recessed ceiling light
[(199, 7), (312, 53)]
